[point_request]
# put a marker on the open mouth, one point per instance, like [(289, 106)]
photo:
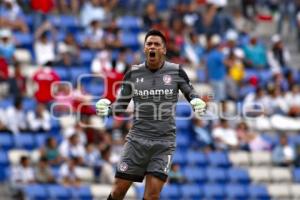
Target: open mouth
[(152, 54)]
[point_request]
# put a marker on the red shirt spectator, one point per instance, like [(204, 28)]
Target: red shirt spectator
[(3, 69), (44, 6), (44, 77)]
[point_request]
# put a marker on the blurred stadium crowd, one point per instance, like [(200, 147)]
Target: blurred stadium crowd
[(54, 53)]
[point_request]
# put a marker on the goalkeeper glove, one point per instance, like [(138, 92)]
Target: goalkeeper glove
[(198, 105), (103, 107)]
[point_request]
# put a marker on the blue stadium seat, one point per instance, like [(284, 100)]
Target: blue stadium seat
[(29, 104), (86, 57), (182, 140), (25, 141), (179, 157), (196, 157), (296, 175), (183, 110), (6, 141), (238, 175), (216, 175), (258, 192), (63, 73), (195, 174), (40, 140), (97, 90), (214, 191), (82, 193), (58, 192), (130, 40), (4, 162), (236, 192), (201, 75), (170, 192), (183, 124), (80, 71), (218, 159), (4, 165), (35, 192), (24, 39), (129, 23), (140, 189), (5, 103), (193, 191)]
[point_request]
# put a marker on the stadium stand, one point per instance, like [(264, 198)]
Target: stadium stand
[(238, 61)]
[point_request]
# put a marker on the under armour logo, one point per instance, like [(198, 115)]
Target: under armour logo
[(139, 80)]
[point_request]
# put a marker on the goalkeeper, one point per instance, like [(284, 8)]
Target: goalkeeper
[(150, 144)]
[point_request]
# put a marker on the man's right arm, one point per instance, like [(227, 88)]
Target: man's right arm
[(124, 97)]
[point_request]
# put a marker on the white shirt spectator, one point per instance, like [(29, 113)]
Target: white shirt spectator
[(15, 120), (44, 52), (22, 175), (292, 99), (66, 172), (227, 135), (67, 150), (39, 123), (91, 12)]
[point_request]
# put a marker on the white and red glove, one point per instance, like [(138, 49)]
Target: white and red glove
[(198, 105), (103, 107)]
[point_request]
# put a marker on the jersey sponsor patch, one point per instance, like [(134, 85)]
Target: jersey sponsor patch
[(123, 166), (167, 79)]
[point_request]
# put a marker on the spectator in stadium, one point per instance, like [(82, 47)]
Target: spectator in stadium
[(236, 72), (71, 147), (283, 154), (107, 170), (93, 10), (292, 99), (94, 36), (17, 83), (40, 11), (39, 119), (67, 173), (93, 159), (112, 70), (259, 97), (4, 76), (151, 16), (112, 36), (43, 78), (287, 9), (50, 152), (175, 175), (43, 172), (255, 54), (21, 175), (16, 118), (69, 6), (44, 45), (225, 137), (250, 140), (193, 50), (203, 137), (7, 46), (11, 16), (278, 56), (277, 102), (216, 70), (76, 129), (68, 51), (249, 9)]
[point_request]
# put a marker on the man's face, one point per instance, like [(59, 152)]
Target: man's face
[(155, 50)]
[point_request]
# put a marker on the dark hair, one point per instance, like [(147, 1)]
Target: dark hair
[(156, 33)]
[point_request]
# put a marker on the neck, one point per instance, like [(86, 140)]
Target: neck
[(155, 66)]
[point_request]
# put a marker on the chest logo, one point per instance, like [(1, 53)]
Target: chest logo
[(139, 80), (167, 79)]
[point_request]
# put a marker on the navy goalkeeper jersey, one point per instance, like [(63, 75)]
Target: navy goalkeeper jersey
[(155, 94)]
